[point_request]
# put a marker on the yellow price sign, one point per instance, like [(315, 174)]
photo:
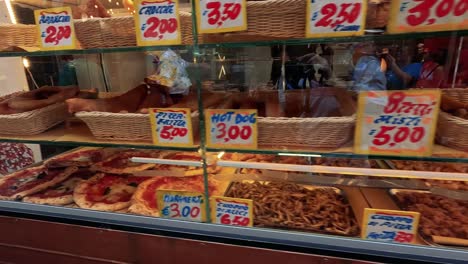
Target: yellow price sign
[(171, 126), (181, 205), (231, 211), (217, 16), (55, 28)]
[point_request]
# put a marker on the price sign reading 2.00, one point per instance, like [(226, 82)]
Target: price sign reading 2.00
[(428, 15), (335, 18), (215, 16), (227, 128), (397, 122), (171, 126), (231, 211), (181, 205), (157, 22), (55, 28)]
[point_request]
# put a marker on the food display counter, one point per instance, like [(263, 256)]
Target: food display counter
[(227, 130)]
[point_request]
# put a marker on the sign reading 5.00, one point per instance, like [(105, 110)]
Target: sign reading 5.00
[(396, 122), (227, 128), (428, 15), (181, 205), (157, 22), (215, 16), (55, 28), (171, 126), (335, 18)]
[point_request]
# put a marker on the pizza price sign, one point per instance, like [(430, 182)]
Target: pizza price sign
[(428, 15), (390, 225), (157, 22), (231, 211), (181, 205), (217, 16), (335, 18), (55, 28), (396, 122), (171, 126), (228, 128)]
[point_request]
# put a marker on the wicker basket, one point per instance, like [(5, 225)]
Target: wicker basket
[(32, 122), (452, 131), (267, 20), (124, 127), (120, 31), (378, 14), (18, 35)]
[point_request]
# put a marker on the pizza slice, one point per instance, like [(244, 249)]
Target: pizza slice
[(31, 180), (62, 193), (144, 200), (120, 162), (81, 158), (106, 192), (186, 170)]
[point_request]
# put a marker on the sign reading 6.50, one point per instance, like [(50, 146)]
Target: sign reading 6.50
[(214, 16), (428, 15)]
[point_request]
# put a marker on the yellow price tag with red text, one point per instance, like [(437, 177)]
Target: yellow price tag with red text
[(217, 16), (55, 28)]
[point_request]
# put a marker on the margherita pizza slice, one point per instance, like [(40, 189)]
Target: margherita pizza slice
[(144, 200), (186, 170), (80, 158), (120, 163), (106, 192), (62, 193), (31, 180)]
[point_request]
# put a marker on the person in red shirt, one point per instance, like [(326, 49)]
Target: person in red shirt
[(432, 71)]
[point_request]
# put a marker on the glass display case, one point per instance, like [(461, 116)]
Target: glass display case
[(316, 127)]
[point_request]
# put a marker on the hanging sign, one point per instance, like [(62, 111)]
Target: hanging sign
[(55, 28), (181, 205), (217, 16), (157, 22), (396, 122), (171, 126), (228, 128), (327, 18), (231, 211), (428, 15), (390, 225)]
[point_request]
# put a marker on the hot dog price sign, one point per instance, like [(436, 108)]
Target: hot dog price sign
[(157, 22), (428, 15), (396, 122), (228, 128), (55, 28)]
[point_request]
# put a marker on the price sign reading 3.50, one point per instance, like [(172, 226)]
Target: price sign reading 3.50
[(157, 22), (231, 211), (55, 28), (181, 205), (215, 16), (428, 15), (335, 18), (171, 126), (397, 122), (227, 128)]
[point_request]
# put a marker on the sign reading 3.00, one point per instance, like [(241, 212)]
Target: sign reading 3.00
[(55, 28), (228, 128), (335, 18), (428, 15), (157, 22), (396, 122), (181, 205)]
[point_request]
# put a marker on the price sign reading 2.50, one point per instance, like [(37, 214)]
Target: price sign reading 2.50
[(157, 22), (215, 16), (227, 128), (171, 126), (181, 205), (428, 15), (397, 122), (55, 28), (335, 18)]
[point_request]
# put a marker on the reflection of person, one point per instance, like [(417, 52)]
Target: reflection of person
[(368, 73), (403, 78), (432, 71)]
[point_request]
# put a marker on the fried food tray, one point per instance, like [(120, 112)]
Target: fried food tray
[(353, 224), (431, 240)]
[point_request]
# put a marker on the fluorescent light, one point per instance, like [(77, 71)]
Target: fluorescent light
[(10, 11), (300, 155), (26, 63)]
